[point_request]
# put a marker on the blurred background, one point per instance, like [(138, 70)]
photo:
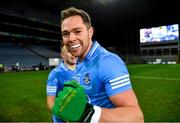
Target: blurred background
[(144, 33)]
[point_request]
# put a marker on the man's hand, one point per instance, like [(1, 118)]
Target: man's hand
[(71, 104)]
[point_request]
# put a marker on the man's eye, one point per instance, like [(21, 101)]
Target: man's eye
[(65, 34), (78, 32)]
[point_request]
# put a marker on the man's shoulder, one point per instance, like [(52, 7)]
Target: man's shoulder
[(105, 54)]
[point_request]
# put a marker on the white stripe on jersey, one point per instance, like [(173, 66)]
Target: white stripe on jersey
[(120, 85), (120, 81), (51, 88), (118, 78)]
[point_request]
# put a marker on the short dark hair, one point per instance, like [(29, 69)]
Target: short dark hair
[(72, 11)]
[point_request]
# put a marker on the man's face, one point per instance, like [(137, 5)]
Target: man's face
[(76, 36)]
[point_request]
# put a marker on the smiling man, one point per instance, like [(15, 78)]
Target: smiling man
[(102, 74)]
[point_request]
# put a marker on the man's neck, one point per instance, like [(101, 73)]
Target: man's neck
[(86, 52)]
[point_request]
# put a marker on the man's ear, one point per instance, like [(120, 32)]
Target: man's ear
[(91, 32)]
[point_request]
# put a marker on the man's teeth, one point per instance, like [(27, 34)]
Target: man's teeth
[(75, 46)]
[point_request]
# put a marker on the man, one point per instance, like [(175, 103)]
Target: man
[(58, 76), (103, 74)]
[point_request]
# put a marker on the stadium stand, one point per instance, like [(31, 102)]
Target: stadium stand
[(31, 25), (28, 35), (44, 51), (165, 59), (11, 54), (166, 52), (26, 11)]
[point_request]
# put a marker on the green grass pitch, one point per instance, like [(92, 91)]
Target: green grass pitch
[(23, 94), (158, 90), (23, 97)]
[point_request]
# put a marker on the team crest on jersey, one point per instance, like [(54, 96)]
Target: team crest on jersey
[(86, 78)]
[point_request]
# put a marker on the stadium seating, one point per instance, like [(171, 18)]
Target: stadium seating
[(11, 54), (165, 59), (44, 51)]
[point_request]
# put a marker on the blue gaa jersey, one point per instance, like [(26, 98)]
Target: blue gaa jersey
[(56, 79), (102, 74)]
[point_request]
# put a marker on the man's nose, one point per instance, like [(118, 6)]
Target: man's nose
[(72, 37)]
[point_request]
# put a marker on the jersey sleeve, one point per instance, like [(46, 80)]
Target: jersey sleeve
[(114, 75), (51, 86)]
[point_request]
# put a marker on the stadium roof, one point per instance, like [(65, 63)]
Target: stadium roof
[(142, 11), (115, 18)]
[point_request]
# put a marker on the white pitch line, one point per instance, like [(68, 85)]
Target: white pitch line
[(157, 78)]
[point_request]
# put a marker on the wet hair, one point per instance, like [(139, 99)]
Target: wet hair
[(72, 11)]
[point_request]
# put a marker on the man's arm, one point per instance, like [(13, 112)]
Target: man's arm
[(73, 97), (127, 108), (50, 102)]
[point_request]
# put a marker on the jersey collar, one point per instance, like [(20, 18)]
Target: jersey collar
[(92, 50)]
